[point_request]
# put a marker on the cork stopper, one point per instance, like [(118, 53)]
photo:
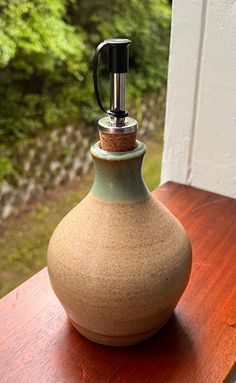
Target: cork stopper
[(118, 142), (119, 137)]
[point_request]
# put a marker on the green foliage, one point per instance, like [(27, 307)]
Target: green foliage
[(46, 50), (40, 55), (6, 167)]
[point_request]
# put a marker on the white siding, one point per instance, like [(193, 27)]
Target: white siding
[(200, 130)]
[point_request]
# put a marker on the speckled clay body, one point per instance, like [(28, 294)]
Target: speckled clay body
[(119, 261)]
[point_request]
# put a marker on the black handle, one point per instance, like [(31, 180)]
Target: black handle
[(118, 61), (95, 77)]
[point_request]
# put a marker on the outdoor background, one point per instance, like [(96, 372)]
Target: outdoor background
[(48, 112)]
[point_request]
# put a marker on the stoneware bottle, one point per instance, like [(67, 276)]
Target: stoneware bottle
[(119, 261)]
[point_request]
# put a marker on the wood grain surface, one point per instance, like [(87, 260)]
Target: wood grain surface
[(197, 345)]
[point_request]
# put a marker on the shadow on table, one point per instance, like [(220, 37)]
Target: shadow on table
[(161, 357)]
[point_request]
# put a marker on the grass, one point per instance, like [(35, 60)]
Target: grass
[(24, 238)]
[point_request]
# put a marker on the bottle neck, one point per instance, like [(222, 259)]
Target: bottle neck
[(118, 176)]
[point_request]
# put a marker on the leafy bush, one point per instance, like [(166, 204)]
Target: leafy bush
[(46, 53), (5, 167), (41, 56)]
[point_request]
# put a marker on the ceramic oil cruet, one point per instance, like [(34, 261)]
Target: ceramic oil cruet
[(119, 261)]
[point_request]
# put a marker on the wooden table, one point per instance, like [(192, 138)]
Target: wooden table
[(198, 344)]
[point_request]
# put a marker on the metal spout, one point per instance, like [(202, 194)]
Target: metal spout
[(117, 95)]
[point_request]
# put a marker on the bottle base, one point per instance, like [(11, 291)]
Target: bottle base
[(118, 341)]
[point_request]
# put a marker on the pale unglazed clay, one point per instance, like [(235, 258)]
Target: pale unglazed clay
[(119, 261)]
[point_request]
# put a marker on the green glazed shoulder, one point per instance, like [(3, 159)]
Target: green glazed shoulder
[(118, 176)]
